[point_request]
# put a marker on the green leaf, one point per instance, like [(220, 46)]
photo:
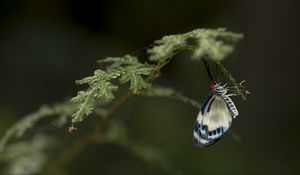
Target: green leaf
[(214, 44), (206, 43), (118, 61), (131, 70), (127, 69), (60, 110), (134, 75), (203, 43), (27, 157), (99, 87)]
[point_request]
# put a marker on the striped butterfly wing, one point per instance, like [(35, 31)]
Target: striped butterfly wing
[(199, 140), (213, 121)]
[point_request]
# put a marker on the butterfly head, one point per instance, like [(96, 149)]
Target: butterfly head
[(217, 88), (213, 87)]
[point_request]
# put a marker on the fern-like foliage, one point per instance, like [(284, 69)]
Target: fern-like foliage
[(126, 69), (27, 157), (99, 86), (212, 44), (207, 43), (131, 70), (60, 112), (202, 43)]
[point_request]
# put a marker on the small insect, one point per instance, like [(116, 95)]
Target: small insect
[(72, 129), (216, 114)]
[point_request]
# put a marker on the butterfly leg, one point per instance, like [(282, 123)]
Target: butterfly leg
[(229, 95)]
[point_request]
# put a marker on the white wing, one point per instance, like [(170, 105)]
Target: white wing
[(200, 142), (214, 119)]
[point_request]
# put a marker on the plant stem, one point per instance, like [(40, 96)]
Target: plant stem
[(230, 77), (68, 155), (63, 160)]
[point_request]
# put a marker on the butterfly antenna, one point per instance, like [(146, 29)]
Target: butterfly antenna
[(208, 70), (217, 72)]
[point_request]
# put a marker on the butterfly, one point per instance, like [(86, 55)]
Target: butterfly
[(215, 116), (217, 112)]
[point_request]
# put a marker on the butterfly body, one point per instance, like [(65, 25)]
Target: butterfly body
[(215, 116)]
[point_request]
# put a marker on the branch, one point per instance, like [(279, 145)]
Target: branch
[(66, 157), (233, 80), (158, 91), (216, 44), (60, 110)]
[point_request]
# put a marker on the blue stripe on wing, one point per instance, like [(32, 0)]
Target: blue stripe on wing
[(207, 103), (202, 131), (217, 133), (201, 142)]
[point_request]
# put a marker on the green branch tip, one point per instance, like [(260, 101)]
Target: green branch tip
[(126, 69), (208, 43), (214, 44)]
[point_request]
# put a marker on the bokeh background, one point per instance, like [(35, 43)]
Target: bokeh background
[(46, 45)]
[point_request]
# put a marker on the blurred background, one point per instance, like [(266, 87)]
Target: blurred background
[(46, 45)]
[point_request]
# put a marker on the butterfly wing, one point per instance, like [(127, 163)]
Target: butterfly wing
[(198, 140), (216, 120), (213, 121)]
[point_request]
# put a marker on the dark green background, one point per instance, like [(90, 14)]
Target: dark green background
[(46, 45)]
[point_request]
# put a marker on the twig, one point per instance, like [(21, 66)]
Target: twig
[(63, 160), (158, 91), (233, 81), (69, 154)]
